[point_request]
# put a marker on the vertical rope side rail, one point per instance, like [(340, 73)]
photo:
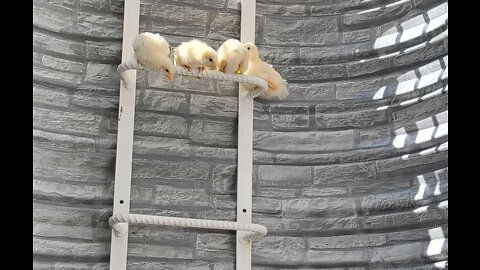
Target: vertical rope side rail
[(126, 113), (245, 147)]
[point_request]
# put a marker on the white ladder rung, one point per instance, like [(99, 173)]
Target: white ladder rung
[(256, 231), (263, 86)]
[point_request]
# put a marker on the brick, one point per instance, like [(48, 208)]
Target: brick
[(102, 74), (199, 3), (356, 36), (286, 250), (421, 110), (348, 172), (140, 193), (347, 241), (374, 137), (423, 53), (223, 266), (71, 193), (290, 118), (277, 192), (71, 232), (100, 25), (399, 253), (217, 214), (364, 89), (311, 91), (51, 95), (53, 18), (303, 141), (171, 19), (181, 197), (292, 176), (93, 4), (162, 101), (309, 225), (56, 77), (301, 31), (333, 54), (169, 265), (263, 157), (395, 201), (158, 123), (323, 207), (70, 250), (278, 55), (323, 191), (156, 251), (97, 98), (151, 145), (215, 152), (79, 122), (224, 26), (81, 167), (65, 216), (213, 132), (44, 41), (215, 245), (39, 265), (185, 15), (438, 11), (63, 142), (299, 73), (368, 66), (362, 118), (389, 11), (379, 187), (398, 220), (224, 202), (290, 121), (399, 164), (224, 179), (337, 257), (266, 205), (413, 235), (214, 106), (169, 170), (103, 50)]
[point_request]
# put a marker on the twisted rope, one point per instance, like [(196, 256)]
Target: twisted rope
[(263, 86), (255, 230)]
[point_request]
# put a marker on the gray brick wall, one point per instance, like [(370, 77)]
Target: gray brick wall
[(350, 171)]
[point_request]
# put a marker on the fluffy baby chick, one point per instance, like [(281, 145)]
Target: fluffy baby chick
[(232, 57), (277, 86), (151, 51), (195, 55)]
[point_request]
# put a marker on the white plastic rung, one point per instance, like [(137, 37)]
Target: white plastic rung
[(256, 231), (263, 86)]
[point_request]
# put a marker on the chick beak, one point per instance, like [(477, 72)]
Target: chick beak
[(170, 76)]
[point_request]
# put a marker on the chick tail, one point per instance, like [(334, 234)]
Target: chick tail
[(283, 93), (279, 94)]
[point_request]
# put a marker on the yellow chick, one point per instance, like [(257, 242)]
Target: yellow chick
[(151, 51), (277, 86), (232, 57), (195, 54)]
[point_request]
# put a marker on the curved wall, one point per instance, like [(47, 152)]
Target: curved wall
[(350, 172)]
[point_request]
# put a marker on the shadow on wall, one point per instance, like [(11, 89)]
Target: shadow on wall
[(430, 186)]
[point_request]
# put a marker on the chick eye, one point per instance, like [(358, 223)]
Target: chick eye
[(248, 48), (210, 59), (167, 70)]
